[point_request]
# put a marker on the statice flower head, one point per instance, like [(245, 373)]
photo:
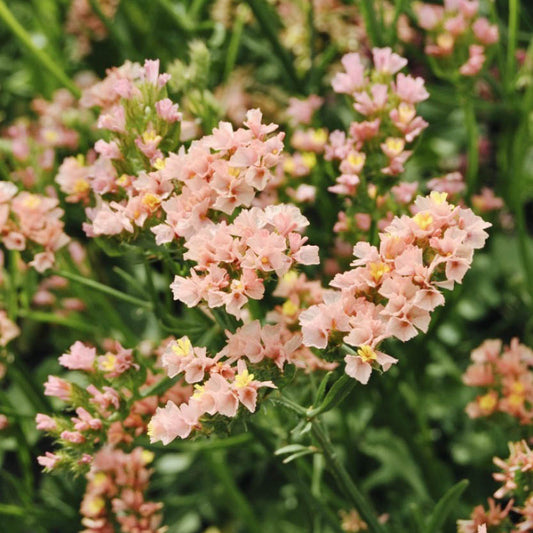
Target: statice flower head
[(457, 37), (386, 120), (394, 287)]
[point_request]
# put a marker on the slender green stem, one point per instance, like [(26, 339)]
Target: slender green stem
[(344, 481), (512, 41), (240, 504), (368, 9), (472, 133), (104, 288), (51, 318), (235, 41), (40, 55)]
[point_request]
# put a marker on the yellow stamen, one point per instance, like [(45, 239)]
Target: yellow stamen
[(445, 41), (182, 346), (159, 164), (438, 197), (356, 159), (367, 354), (395, 145), (309, 159), (423, 220), (147, 456), (378, 269), (244, 379), (81, 186), (406, 112), (488, 402), (31, 201), (289, 308), (151, 201), (150, 136), (320, 136), (108, 362)]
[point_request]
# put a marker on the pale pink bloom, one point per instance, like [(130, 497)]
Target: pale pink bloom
[(113, 120), (409, 89), (487, 201), (108, 150), (475, 61), (4, 422), (58, 387), (8, 329), (151, 73), (45, 422), (246, 386), (485, 32), (386, 61), (104, 400), (49, 461), (456, 25), (301, 111), (353, 79), (359, 367), (429, 15), (72, 436), (170, 422), (79, 357), (370, 103), (168, 110), (85, 421)]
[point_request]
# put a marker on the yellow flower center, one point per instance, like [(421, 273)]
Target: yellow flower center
[(108, 362), (51, 136), (378, 269), (395, 145), (198, 391), (367, 354), (488, 402), (159, 164), (289, 165), (438, 197), (406, 112), (423, 220), (150, 136), (32, 201), (445, 41), (182, 346), (244, 379), (81, 186), (147, 456), (356, 159), (320, 136), (309, 159), (289, 308), (123, 180), (95, 505), (151, 201)]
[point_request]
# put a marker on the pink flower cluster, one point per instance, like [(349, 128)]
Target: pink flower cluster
[(224, 386), (385, 101), (31, 222), (506, 375), (114, 389), (516, 478), (232, 260), (219, 172), (457, 34), (116, 494), (393, 289), (33, 142)]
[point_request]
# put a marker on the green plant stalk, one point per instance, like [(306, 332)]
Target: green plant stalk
[(472, 133), (344, 481), (241, 507), (104, 288), (235, 41), (42, 57), (368, 9), (512, 41)]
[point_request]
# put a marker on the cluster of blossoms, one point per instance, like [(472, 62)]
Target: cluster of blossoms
[(392, 290), (515, 513), (232, 260), (32, 144), (220, 385), (506, 377), (217, 174), (31, 223), (86, 25), (115, 494), (387, 122), (456, 35), (139, 122), (113, 408)]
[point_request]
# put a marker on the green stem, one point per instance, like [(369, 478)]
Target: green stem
[(42, 57), (104, 288), (511, 41), (242, 509), (344, 481), (235, 41), (472, 133), (368, 9), (51, 318)]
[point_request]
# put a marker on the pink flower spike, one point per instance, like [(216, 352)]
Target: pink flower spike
[(79, 357)]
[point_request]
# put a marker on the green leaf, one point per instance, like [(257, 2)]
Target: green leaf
[(445, 506)]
